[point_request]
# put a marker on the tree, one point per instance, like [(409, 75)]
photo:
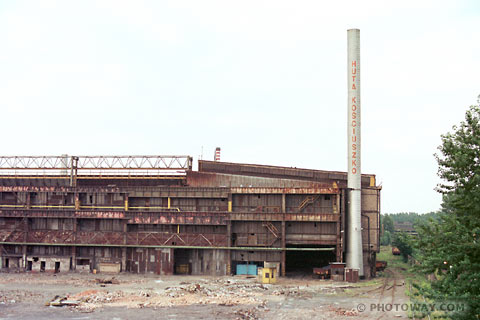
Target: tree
[(388, 224), (386, 238), (450, 246), (403, 241)]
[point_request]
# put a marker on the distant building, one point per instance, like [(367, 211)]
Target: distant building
[(406, 227)]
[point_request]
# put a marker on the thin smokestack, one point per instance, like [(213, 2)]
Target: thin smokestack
[(355, 247), (217, 154)]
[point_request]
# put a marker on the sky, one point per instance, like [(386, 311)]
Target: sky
[(264, 80)]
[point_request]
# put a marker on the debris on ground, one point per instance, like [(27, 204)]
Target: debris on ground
[(221, 292), (343, 312), (59, 301), (223, 297), (107, 281), (248, 314)]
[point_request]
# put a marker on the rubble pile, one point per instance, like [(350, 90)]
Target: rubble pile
[(343, 312), (223, 292)]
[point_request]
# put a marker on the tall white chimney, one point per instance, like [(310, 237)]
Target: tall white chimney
[(354, 245)]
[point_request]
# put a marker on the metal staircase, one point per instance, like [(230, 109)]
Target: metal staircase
[(307, 201)]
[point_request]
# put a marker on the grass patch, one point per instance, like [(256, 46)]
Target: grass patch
[(396, 263), (393, 262)]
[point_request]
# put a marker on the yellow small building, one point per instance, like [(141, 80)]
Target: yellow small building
[(269, 275)]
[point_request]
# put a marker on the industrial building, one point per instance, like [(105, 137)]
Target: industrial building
[(155, 214)]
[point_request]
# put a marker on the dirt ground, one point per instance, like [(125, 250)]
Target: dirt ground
[(129, 296)]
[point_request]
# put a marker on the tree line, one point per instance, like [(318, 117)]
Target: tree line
[(388, 234), (447, 243)]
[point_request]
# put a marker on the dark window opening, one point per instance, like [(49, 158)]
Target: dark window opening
[(42, 266), (83, 262)]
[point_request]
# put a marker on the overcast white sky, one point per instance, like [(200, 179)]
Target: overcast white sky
[(264, 80)]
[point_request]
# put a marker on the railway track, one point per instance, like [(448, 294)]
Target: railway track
[(388, 290)]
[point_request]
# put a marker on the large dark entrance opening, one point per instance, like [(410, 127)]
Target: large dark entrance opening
[(300, 262), (182, 264)]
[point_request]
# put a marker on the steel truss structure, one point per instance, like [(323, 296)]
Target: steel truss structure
[(66, 162)]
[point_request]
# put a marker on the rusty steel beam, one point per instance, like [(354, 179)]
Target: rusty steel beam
[(51, 236), (171, 217), (306, 217), (195, 218), (177, 239), (32, 213), (100, 214), (61, 189), (273, 190), (167, 247), (99, 237), (12, 235)]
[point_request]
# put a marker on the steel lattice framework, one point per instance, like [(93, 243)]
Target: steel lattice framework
[(95, 162)]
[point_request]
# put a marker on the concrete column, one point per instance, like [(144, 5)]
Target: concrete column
[(124, 249), (230, 202), (77, 202), (74, 248), (125, 201), (74, 257), (28, 200), (24, 257), (24, 247), (229, 244), (339, 237), (284, 252), (343, 229), (283, 264), (124, 259), (125, 229)]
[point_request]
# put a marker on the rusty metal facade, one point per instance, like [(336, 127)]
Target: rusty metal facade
[(215, 220)]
